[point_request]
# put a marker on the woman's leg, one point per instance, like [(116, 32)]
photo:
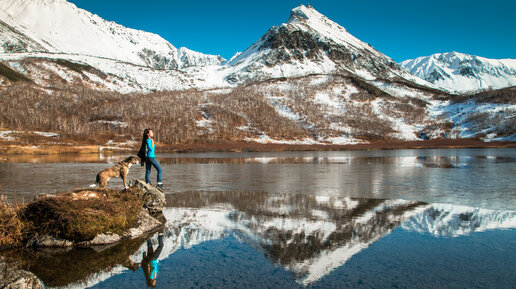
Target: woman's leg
[(148, 166), (158, 168), (156, 165)]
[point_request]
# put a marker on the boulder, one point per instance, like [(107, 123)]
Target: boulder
[(144, 223), (154, 199)]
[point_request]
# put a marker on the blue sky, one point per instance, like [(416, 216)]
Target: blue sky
[(402, 29)]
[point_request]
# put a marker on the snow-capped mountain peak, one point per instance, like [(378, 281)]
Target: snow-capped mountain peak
[(308, 18), (459, 72), (311, 43)]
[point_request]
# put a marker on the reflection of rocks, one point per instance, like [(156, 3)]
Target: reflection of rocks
[(441, 162), (82, 267), (13, 278)]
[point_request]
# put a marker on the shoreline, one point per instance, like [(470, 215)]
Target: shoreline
[(12, 149)]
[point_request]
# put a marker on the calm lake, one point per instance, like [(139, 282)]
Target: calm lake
[(349, 219)]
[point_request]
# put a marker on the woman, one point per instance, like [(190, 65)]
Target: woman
[(150, 158)]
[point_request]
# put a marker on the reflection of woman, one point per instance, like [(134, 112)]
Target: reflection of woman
[(150, 261), (150, 157)]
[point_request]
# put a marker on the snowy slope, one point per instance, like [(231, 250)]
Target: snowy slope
[(458, 72), (59, 26), (473, 118), (12, 40), (117, 76)]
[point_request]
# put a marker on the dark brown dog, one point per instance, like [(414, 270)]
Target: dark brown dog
[(119, 170)]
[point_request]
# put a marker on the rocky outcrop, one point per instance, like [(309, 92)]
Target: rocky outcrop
[(154, 199), (13, 278), (84, 218)]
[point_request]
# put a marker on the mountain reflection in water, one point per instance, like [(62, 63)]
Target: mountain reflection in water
[(307, 235)]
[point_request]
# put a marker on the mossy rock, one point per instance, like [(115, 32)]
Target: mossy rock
[(81, 215)]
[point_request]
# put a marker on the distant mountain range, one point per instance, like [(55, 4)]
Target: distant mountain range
[(131, 60), (462, 73), (310, 71)]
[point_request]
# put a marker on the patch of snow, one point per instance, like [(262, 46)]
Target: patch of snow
[(344, 140), (110, 122), (264, 138), (47, 134), (5, 135), (453, 221)]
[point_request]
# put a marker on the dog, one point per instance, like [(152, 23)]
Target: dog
[(121, 169)]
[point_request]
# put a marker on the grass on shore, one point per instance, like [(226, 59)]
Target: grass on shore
[(11, 224)]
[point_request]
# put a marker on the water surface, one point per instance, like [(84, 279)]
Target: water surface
[(353, 219), (267, 240), (475, 177)]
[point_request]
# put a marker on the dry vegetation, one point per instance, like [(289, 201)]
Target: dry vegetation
[(285, 109), (69, 217), (11, 224)]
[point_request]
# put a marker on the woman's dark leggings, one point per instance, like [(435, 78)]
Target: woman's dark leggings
[(152, 162)]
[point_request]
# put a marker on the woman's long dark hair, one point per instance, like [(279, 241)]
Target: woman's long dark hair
[(146, 134), (143, 148)]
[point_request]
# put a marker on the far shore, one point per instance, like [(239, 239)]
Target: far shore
[(12, 149)]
